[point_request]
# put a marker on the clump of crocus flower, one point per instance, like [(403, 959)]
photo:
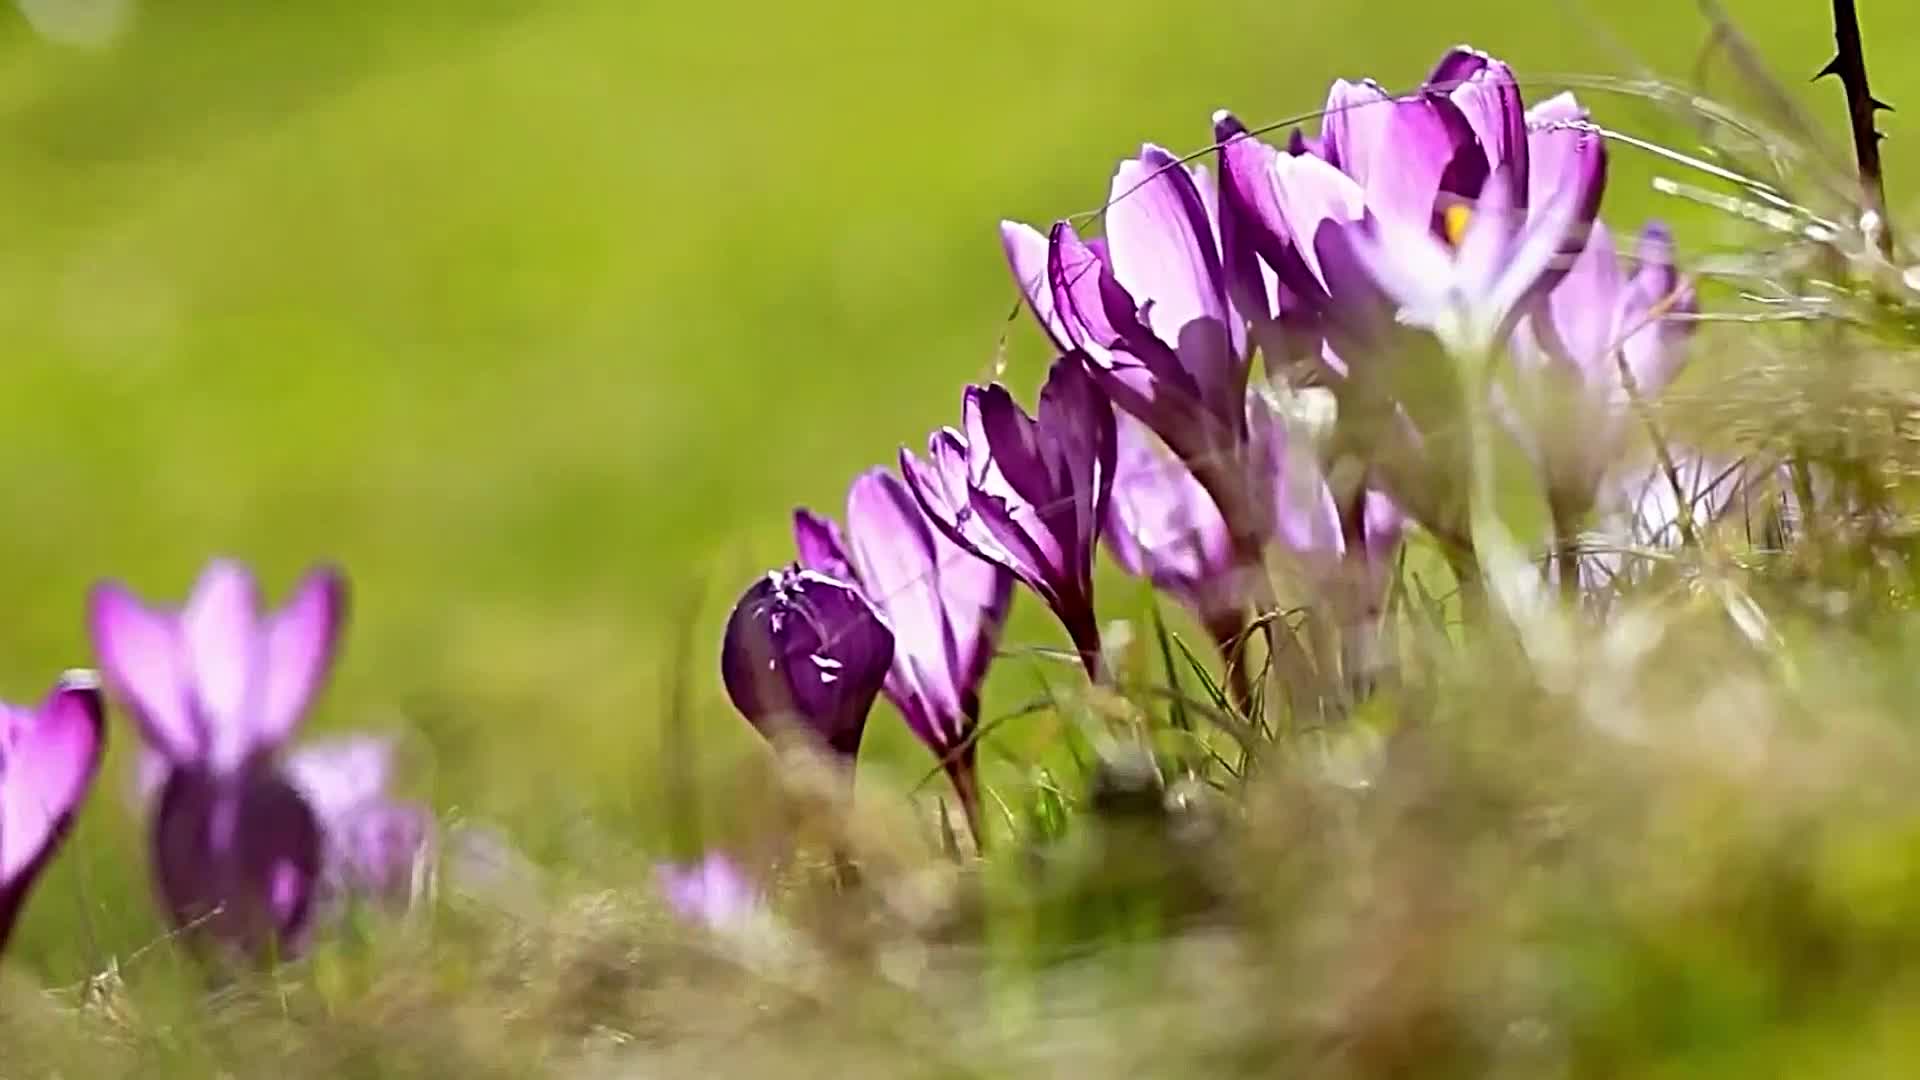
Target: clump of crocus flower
[(49, 755), (1427, 261), (241, 847), (944, 604), (805, 652)]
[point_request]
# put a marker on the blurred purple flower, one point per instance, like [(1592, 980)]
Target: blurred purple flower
[(804, 650), (1028, 493), (713, 892), (376, 846), (1570, 353), (1163, 526), (1641, 513), (1151, 307), (945, 605), (216, 689), (48, 758)]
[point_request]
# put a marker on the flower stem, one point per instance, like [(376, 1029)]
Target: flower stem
[(1850, 64)]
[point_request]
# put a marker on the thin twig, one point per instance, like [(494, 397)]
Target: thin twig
[(1850, 64)]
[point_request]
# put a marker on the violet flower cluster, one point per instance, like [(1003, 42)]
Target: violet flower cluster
[(250, 842), (1422, 250)]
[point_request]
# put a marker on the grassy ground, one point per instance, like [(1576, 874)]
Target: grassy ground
[(540, 317)]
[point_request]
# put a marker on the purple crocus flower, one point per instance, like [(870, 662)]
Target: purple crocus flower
[(805, 651), (1028, 493), (376, 846), (1150, 307), (1163, 526), (1571, 350), (49, 756), (216, 689), (945, 605), (1368, 229), (713, 892)]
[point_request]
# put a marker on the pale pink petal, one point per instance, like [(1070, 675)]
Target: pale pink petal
[(300, 643), (220, 627), (145, 664)]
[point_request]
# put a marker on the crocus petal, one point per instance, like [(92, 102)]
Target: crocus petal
[(1027, 251), (220, 627), (380, 849), (48, 759), (1653, 319), (1547, 246), (1583, 311), (301, 641), (1253, 232), (238, 856), (802, 649), (1010, 489), (1456, 66), (1165, 254), (820, 545), (945, 605), (1306, 517), (145, 664), (1349, 126), (1488, 96), (337, 775), (1402, 150), (1568, 163), (1163, 526), (374, 847), (1313, 196), (1077, 423), (1413, 267), (1076, 273)]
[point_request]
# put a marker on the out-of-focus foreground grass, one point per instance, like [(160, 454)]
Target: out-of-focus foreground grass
[(539, 318)]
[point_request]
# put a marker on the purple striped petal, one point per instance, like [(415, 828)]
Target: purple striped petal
[(1028, 254), (1486, 93), (946, 607), (1165, 253), (1253, 235), (820, 545)]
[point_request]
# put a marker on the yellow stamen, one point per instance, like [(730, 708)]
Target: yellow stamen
[(1455, 220)]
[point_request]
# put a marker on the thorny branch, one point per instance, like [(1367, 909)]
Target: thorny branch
[(1850, 64)]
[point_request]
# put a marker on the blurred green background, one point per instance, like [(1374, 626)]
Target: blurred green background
[(540, 317)]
